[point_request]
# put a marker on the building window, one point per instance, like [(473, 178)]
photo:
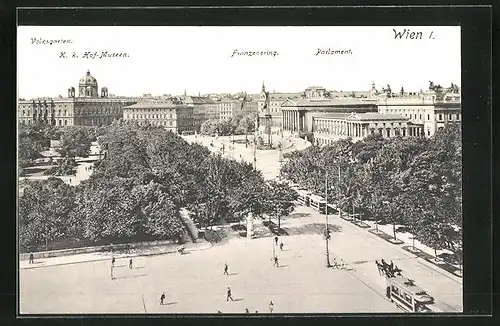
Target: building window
[(458, 116), (420, 117), (428, 117), (65, 122), (449, 117)]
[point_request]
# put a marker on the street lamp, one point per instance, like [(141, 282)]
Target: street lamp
[(255, 141), (327, 232), (280, 160)]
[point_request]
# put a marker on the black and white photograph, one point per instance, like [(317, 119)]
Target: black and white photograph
[(260, 170)]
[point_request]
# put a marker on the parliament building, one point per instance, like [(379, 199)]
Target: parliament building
[(331, 115), (89, 108)]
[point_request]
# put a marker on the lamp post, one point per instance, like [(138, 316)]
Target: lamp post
[(255, 141), (280, 160), (327, 232), (338, 196)]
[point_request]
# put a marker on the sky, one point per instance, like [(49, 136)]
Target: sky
[(199, 59)]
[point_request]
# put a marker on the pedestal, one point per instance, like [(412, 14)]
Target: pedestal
[(250, 226)]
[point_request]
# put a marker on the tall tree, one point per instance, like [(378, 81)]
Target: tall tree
[(44, 208), (247, 124), (280, 200), (75, 142)]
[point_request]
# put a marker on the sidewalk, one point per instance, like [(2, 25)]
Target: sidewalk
[(400, 248), (407, 239), (100, 256)]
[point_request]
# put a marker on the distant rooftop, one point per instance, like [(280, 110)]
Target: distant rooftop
[(197, 100), (284, 96), (375, 116), (165, 105), (315, 102)]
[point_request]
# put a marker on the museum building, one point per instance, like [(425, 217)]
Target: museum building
[(86, 109)]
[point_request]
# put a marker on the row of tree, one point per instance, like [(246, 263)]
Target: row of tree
[(137, 191), (412, 181), (238, 125), (75, 141)]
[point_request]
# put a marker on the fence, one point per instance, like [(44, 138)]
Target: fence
[(86, 250)]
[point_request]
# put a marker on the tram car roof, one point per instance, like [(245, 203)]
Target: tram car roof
[(408, 286), (318, 198)]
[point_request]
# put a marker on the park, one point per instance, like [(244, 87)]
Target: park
[(194, 282)]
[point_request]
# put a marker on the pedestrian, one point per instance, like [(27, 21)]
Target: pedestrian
[(113, 260), (281, 246), (246, 311), (219, 312), (32, 259), (276, 261), (342, 263), (225, 269), (271, 307), (397, 270), (392, 266), (276, 240), (162, 297), (229, 296), (130, 263), (256, 312), (70, 181), (335, 264)]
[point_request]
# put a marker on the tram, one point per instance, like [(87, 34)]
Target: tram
[(411, 298), (304, 197), (318, 203), (406, 295)]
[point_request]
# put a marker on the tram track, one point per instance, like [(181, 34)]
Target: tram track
[(403, 252)]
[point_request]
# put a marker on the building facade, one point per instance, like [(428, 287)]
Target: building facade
[(298, 116), (172, 115), (204, 108), (359, 125), (88, 108), (424, 109), (250, 107), (355, 115), (230, 108)]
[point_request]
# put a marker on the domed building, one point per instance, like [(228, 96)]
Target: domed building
[(88, 86), (88, 109)]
